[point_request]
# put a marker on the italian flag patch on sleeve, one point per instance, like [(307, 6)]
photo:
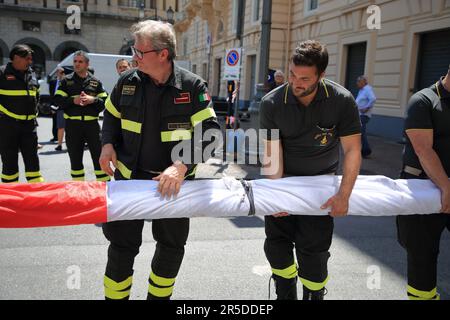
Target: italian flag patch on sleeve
[(204, 97)]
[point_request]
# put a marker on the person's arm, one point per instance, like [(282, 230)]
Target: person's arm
[(111, 132), (422, 141), (62, 98), (351, 146), (349, 130), (273, 159)]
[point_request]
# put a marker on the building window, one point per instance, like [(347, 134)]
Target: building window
[(311, 6), (255, 10), (34, 26)]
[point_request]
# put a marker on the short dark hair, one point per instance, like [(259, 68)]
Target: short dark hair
[(311, 53), (122, 59), (21, 50), (82, 54)]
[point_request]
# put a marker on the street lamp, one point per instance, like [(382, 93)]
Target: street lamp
[(170, 14)]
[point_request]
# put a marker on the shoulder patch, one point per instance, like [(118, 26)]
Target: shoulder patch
[(128, 90)]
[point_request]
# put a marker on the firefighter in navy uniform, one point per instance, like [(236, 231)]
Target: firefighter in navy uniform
[(82, 97), (152, 110), (426, 156), (18, 100), (313, 115)]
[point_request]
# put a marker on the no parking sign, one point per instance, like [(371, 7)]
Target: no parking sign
[(232, 64)]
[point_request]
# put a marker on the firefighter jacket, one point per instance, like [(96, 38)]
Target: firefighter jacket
[(18, 93), (71, 87), (182, 106)]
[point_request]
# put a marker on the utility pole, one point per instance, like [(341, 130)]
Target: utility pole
[(264, 52), (239, 34)]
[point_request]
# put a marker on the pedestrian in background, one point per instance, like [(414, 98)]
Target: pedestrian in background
[(365, 101)]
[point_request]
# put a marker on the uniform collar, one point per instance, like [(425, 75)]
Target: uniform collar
[(322, 93), (441, 91), (10, 69)]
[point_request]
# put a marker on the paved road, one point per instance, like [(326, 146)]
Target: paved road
[(224, 257)]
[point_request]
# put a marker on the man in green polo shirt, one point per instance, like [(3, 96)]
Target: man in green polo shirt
[(313, 115)]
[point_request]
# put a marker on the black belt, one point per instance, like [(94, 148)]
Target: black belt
[(249, 191)]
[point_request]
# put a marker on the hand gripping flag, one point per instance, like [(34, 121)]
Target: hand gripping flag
[(73, 203)]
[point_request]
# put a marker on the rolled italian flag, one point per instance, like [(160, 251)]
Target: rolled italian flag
[(74, 203)]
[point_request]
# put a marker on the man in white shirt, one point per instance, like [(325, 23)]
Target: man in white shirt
[(365, 101)]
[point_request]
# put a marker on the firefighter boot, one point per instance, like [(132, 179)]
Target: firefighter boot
[(286, 289), (313, 295)]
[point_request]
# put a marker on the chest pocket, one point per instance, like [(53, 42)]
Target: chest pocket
[(175, 120), (130, 107)]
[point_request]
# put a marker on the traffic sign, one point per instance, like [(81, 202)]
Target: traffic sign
[(232, 64)]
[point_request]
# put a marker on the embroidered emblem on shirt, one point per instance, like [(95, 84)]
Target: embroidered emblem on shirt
[(185, 97), (10, 77), (93, 83)]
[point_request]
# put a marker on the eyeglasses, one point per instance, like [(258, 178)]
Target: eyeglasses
[(140, 54)]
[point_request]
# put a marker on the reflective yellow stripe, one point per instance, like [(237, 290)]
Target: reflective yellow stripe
[(131, 126), (77, 172), (99, 172), (160, 281), (437, 297), (288, 273), (176, 135), (160, 292), (11, 177), (18, 93), (107, 178), (77, 178), (286, 94), (111, 108), (102, 95), (61, 93), (325, 87), (422, 294), (126, 173), (16, 116), (84, 118), (35, 180), (117, 286), (314, 286), (32, 174), (202, 115), (116, 295)]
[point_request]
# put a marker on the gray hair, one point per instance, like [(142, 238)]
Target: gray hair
[(278, 73), (362, 78), (83, 54), (160, 34)]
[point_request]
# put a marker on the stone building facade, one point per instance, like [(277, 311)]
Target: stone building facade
[(104, 27)]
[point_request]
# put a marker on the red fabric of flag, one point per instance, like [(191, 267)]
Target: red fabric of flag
[(28, 205)]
